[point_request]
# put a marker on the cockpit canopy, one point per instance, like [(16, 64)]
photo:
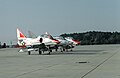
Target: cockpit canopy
[(59, 37), (47, 36)]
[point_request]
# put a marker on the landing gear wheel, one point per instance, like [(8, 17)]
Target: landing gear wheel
[(29, 52), (50, 51), (40, 52), (63, 49), (56, 49)]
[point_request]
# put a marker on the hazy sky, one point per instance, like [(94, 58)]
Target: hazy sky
[(57, 16)]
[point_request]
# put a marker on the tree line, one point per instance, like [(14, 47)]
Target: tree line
[(95, 37)]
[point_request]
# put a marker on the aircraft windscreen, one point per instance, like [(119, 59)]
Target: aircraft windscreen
[(61, 38), (47, 36), (20, 41), (70, 37)]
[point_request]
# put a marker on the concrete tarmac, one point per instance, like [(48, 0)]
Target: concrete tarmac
[(93, 61)]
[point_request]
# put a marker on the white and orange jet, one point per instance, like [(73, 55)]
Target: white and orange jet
[(32, 44), (65, 43), (75, 42)]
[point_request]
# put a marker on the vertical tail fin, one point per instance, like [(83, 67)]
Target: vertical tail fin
[(49, 35), (20, 34)]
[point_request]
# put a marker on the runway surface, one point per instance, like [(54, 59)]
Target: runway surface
[(93, 61)]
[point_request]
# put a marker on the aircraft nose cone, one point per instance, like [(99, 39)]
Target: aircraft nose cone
[(77, 42)]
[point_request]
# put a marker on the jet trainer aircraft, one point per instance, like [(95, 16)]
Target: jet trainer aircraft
[(64, 44), (75, 42), (32, 44)]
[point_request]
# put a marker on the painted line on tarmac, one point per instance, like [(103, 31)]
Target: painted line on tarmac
[(100, 63)]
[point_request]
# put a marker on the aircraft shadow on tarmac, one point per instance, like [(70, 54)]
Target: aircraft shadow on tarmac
[(77, 52)]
